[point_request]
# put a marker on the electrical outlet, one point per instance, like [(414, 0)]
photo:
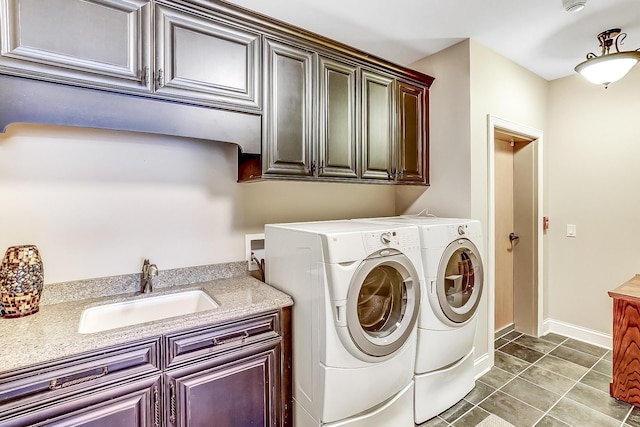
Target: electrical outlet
[(254, 244)]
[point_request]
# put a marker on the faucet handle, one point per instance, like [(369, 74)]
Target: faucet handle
[(145, 267)]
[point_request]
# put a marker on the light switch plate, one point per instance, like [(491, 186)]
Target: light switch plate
[(571, 230)]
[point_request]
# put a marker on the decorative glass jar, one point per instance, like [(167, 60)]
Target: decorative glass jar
[(21, 281)]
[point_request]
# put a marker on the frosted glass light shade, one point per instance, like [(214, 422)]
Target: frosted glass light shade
[(608, 68)]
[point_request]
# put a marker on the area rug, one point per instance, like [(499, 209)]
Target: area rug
[(494, 421)]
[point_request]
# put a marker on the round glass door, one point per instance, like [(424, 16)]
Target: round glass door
[(460, 281), (382, 304)]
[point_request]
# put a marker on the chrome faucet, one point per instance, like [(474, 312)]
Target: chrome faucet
[(149, 272)]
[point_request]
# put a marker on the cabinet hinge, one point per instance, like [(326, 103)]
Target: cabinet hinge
[(313, 167), (160, 79), (145, 76)]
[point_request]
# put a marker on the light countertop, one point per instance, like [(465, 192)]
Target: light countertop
[(52, 333)]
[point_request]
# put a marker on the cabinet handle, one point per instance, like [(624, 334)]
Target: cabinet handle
[(160, 78), (53, 385), (145, 76), (172, 403), (244, 335), (156, 407)]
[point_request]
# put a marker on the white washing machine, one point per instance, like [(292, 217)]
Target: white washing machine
[(356, 290), (453, 275)]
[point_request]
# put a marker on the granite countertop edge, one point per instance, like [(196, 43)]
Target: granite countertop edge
[(52, 333)]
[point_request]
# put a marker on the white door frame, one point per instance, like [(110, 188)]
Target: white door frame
[(536, 135)]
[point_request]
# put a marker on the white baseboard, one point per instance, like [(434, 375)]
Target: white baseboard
[(482, 365), (577, 332)]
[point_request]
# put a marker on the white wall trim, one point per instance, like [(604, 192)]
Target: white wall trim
[(493, 123), (578, 332), (483, 364)]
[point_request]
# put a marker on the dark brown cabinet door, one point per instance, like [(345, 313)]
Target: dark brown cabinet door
[(412, 133), (288, 125), (101, 43), (377, 126), (204, 59), (236, 390), (337, 144)]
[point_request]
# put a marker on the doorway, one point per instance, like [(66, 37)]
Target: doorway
[(514, 230)]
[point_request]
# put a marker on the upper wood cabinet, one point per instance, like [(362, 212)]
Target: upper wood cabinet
[(102, 43), (200, 57), (288, 131), (412, 120), (337, 114), (196, 57), (378, 126)]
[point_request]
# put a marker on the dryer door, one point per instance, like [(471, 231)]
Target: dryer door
[(383, 303), (460, 281)]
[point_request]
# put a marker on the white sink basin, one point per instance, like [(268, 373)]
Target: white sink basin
[(147, 309)]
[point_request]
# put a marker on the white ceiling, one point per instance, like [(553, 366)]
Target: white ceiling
[(537, 34)]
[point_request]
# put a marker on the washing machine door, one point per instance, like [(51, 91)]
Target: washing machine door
[(383, 303), (460, 281)]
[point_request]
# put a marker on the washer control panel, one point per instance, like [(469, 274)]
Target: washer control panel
[(403, 239)]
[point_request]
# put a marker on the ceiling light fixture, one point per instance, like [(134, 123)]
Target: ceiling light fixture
[(573, 5), (608, 67)]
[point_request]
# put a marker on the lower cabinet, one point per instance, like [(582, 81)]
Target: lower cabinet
[(231, 374)]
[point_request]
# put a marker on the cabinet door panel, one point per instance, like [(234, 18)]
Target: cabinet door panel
[(288, 126), (412, 123), (204, 59), (101, 42), (242, 392), (377, 126), (135, 404), (338, 138)]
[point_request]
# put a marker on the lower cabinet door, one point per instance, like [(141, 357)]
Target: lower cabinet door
[(136, 404), (235, 390)]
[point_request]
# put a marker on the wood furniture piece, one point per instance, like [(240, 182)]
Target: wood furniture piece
[(625, 384), (223, 374), (299, 105)]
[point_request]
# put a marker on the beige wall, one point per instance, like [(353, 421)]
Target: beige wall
[(594, 180), (450, 162), (97, 202)]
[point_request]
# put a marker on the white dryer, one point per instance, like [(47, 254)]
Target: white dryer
[(453, 275), (356, 290)]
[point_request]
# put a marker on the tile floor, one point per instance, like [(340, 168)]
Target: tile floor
[(546, 382)]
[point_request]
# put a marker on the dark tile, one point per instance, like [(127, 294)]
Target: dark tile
[(456, 411), (522, 352), (472, 418), (512, 410), (604, 367), (496, 377), (479, 392), (548, 421), (554, 338), (512, 335), (504, 331), (562, 367), (531, 394), (536, 344), (548, 380), (599, 401), (584, 347), (597, 380), (509, 363), (634, 417), (575, 356), (434, 422), (576, 414), (499, 343)]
